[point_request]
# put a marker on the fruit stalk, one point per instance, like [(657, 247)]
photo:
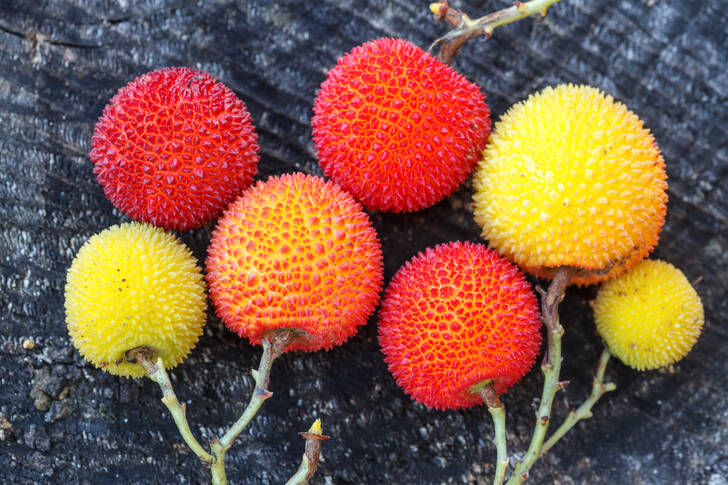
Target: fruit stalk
[(310, 460), (551, 367), (498, 411), (467, 28), (599, 388), (271, 350), (158, 374)]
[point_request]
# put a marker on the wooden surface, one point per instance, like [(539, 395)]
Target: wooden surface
[(60, 61)]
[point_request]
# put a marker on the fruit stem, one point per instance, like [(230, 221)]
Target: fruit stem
[(599, 388), (158, 374), (467, 28), (498, 411), (310, 460), (271, 350), (551, 366)]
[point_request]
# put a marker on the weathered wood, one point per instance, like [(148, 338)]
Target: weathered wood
[(60, 62)]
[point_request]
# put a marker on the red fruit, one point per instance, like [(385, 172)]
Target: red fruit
[(454, 317), (295, 252), (397, 128), (174, 147)]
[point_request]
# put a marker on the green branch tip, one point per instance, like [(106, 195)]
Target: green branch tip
[(311, 456)]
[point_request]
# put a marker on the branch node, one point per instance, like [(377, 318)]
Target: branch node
[(466, 28), (262, 393), (584, 411), (490, 397)]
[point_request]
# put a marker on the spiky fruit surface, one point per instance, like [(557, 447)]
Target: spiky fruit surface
[(397, 128), (571, 178), (455, 316), (134, 285), (295, 252), (173, 148), (650, 316)]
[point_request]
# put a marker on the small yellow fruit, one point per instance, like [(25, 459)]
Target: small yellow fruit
[(134, 285), (650, 316), (571, 178)]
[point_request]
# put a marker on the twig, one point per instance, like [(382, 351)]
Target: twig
[(271, 351), (498, 411), (551, 366), (158, 374), (310, 460), (599, 388), (467, 28)]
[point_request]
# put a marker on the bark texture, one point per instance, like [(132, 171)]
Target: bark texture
[(62, 421)]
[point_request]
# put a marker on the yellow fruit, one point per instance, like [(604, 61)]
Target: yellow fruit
[(650, 316), (134, 285), (571, 178)]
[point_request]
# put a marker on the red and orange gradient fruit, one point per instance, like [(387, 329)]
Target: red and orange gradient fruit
[(396, 128), (295, 252), (173, 148), (455, 317)]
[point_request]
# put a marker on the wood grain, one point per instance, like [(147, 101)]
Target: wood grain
[(60, 62)]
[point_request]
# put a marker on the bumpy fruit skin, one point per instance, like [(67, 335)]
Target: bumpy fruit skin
[(650, 316), (295, 252), (571, 178), (173, 148), (396, 128), (455, 316), (134, 285)]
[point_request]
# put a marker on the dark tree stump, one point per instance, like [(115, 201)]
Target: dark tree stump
[(60, 61)]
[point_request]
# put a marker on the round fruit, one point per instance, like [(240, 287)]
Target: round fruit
[(173, 148), (455, 318), (396, 128), (650, 316), (130, 286), (571, 178), (295, 252)]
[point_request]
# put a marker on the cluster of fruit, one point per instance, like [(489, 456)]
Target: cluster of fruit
[(568, 178)]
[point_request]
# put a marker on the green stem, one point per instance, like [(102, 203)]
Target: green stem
[(551, 367), (498, 411), (219, 476), (299, 478), (599, 388), (271, 351), (158, 374), (310, 460), (467, 28)]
